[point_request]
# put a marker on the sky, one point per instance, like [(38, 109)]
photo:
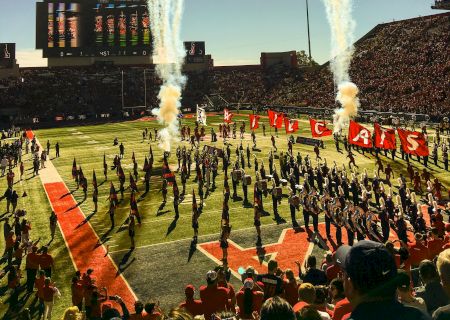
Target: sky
[(235, 31)]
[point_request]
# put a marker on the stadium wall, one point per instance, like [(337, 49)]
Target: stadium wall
[(86, 61)]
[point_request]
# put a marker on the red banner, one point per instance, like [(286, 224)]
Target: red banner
[(227, 115), (319, 128), (384, 138), (291, 126), (359, 135), (275, 119), (254, 121), (413, 142)]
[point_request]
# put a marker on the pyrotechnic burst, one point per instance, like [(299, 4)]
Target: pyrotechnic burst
[(169, 51)]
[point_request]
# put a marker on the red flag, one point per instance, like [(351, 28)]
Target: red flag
[(291, 126), (254, 121), (359, 135), (275, 119), (384, 138), (227, 115), (319, 128), (413, 142)]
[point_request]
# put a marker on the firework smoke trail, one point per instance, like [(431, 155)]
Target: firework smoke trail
[(165, 23), (339, 14)]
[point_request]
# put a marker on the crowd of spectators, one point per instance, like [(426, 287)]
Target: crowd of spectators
[(398, 66)]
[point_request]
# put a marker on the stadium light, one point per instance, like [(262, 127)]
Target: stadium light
[(307, 24)]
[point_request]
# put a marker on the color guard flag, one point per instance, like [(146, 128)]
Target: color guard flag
[(413, 142), (291, 126), (384, 138), (254, 121), (275, 119), (319, 128), (227, 115), (359, 135), (201, 115)]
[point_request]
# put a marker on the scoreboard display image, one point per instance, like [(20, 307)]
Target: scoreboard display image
[(88, 28), (195, 51), (7, 55)]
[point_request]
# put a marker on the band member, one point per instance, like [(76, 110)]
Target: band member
[(195, 216), (95, 199), (293, 206), (131, 227), (224, 241), (348, 222), (351, 160), (164, 190), (134, 208), (112, 195), (257, 223), (272, 138), (275, 199), (383, 216), (176, 200), (111, 212), (389, 173)]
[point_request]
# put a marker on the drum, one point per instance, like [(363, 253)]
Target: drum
[(237, 175), (247, 180), (262, 185), (278, 192), (295, 200), (284, 182)]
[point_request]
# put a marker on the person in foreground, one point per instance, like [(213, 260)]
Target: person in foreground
[(443, 266), (370, 281)]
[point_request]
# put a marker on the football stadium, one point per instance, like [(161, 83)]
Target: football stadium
[(141, 179)]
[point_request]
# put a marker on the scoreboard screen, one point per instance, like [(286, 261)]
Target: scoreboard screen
[(195, 51), (89, 28), (7, 55)]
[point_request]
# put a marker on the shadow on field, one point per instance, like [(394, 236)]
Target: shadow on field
[(68, 194), (82, 223), (79, 203), (172, 226), (124, 264)]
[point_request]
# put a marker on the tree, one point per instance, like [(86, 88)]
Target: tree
[(303, 59)]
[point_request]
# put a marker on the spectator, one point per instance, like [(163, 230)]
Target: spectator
[(39, 284), (443, 266), (249, 300), (46, 262), (77, 292), (214, 298), (276, 308), (152, 310), (194, 307), (32, 266), (369, 283), (290, 287), (307, 297), (405, 292), (72, 313), (432, 292), (336, 291), (312, 274), (273, 285), (178, 314), (50, 292), (222, 282), (138, 311)]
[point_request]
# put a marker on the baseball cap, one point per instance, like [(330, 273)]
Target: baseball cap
[(368, 264), (211, 275), (248, 283), (189, 290), (403, 280)]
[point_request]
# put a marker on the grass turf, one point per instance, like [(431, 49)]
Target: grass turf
[(88, 144)]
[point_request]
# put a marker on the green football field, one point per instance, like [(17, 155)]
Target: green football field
[(89, 144)]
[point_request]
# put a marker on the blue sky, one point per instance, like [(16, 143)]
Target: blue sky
[(235, 31)]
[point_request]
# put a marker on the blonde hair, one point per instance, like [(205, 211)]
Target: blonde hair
[(443, 266), (72, 313)]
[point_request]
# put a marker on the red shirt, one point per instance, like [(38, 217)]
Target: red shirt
[(230, 288), (194, 307), (341, 309), (299, 306), (77, 293), (39, 285), (45, 261), (434, 247), (48, 292), (332, 272), (290, 292), (152, 316), (215, 299), (257, 301), (10, 239), (418, 252), (32, 261)]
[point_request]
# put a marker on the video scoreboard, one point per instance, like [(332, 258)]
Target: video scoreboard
[(7, 55), (195, 51), (93, 28)]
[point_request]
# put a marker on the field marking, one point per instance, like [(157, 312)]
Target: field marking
[(199, 237), (52, 169)]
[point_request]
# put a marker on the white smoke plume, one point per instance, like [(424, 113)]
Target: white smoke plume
[(339, 14), (165, 20)]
